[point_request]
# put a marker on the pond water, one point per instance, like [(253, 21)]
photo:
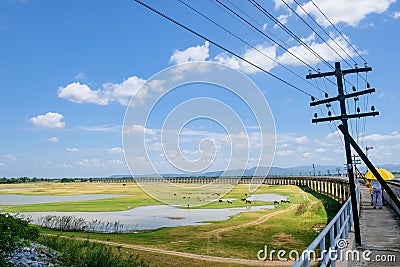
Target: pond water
[(15, 199), (151, 217), (267, 197), (136, 219)]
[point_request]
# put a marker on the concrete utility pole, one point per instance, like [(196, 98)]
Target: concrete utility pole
[(341, 97), (313, 166)]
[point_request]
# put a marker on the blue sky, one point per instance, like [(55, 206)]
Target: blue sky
[(69, 68)]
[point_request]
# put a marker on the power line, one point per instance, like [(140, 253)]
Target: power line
[(266, 36), (270, 16), (220, 46), (322, 30), (247, 43), (338, 31)]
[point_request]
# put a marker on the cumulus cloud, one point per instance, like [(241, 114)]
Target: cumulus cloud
[(89, 162), (323, 49), (137, 129), (283, 19), (262, 56), (49, 120), (110, 92), (344, 11), (284, 153), (72, 149), (116, 150), (53, 139), (195, 53), (11, 157), (396, 15), (382, 137), (301, 140), (122, 92), (81, 93), (279, 3)]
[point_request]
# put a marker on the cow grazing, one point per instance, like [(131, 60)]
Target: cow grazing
[(248, 201), (229, 201), (220, 200), (276, 202)]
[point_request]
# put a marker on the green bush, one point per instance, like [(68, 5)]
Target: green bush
[(77, 253), (14, 233)]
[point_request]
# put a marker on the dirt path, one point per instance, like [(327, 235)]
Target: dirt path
[(189, 255), (255, 222)]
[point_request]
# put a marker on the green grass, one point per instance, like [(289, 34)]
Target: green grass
[(137, 197), (284, 231)]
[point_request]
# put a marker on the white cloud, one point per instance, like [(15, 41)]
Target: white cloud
[(89, 162), (72, 149), (284, 153), (344, 11), (381, 137), (194, 53), (2, 165), (122, 92), (321, 150), (279, 3), (80, 76), (115, 162), (53, 139), (81, 93), (116, 150), (257, 56), (283, 19), (396, 15), (301, 140), (137, 129), (323, 49), (110, 92), (101, 128), (265, 26), (49, 120), (11, 157)]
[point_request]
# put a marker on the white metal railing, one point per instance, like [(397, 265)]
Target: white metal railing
[(337, 229)]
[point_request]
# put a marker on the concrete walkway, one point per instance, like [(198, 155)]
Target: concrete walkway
[(380, 234)]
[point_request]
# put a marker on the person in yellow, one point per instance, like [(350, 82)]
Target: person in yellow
[(368, 183)]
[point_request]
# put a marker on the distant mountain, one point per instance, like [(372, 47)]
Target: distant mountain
[(261, 171)]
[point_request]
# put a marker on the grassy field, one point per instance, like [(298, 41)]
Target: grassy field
[(291, 229)]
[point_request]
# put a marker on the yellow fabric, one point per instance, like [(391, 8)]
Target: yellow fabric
[(369, 186), (386, 175)]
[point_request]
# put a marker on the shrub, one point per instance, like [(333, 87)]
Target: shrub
[(77, 253), (301, 208), (14, 233)]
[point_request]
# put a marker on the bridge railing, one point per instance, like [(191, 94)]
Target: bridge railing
[(335, 232)]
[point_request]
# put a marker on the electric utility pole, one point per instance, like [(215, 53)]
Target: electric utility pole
[(341, 97)]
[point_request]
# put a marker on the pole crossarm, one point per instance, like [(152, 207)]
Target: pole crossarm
[(338, 72), (367, 162), (349, 116), (336, 98)]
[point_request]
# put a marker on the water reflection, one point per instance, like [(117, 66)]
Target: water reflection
[(15, 199), (151, 217)]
